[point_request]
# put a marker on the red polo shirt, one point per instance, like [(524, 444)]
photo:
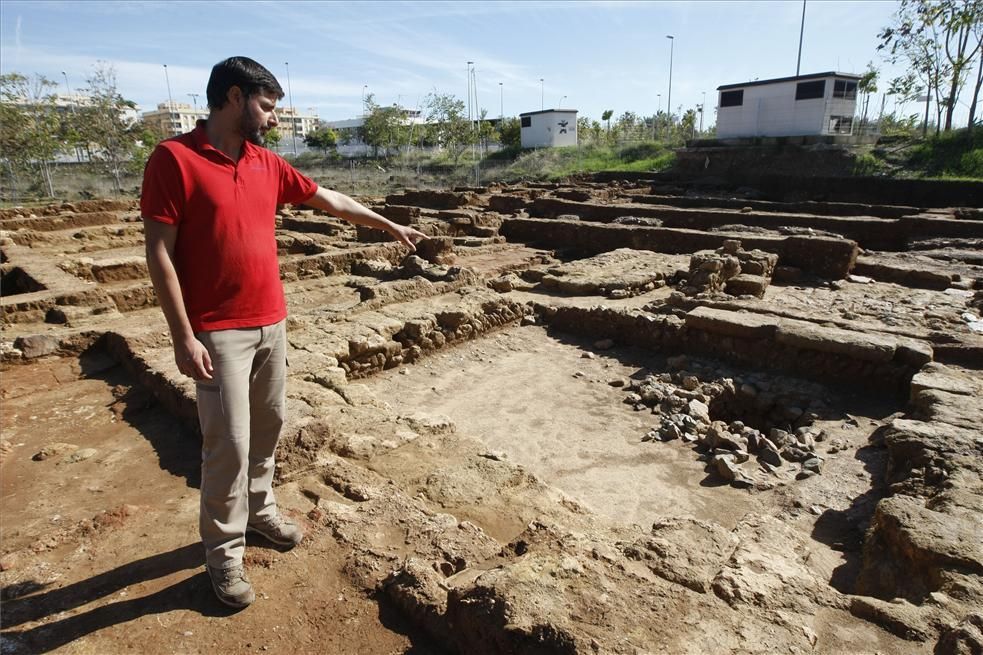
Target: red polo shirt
[(224, 210)]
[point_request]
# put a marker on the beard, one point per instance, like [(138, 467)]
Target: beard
[(248, 130)]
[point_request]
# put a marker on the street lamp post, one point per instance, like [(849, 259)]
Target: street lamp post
[(655, 121), (501, 102), (293, 112), (672, 43), (71, 104), (68, 88), (542, 106), (802, 29), (470, 114), (194, 100), (170, 102), (364, 89), (703, 107)]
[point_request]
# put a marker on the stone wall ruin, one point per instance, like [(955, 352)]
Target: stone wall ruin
[(754, 328)]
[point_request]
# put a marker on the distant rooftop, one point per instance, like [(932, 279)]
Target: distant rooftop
[(810, 76)]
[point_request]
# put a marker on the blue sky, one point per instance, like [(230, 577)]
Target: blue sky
[(599, 55)]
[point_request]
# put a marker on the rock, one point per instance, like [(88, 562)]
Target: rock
[(52, 450), (8, 562), (727, 468), (780, 438), (528, 320), (587, 355), (767, 452), (699, 411), (505, 283), (686, 551), (902, 618), (965, 638), (813, 464), (747, 285), (669, 431), (690, 382), (804, 475), (752, 436), (36, 345), (617, 382), (80, 455), (795, 454)]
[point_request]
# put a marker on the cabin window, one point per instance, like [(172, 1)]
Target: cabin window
[(845, 89), (810, 90), (732, 98), (841, 124), (526, 121)]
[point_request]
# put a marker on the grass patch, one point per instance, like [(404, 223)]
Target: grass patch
[(952, 155), (556, 163)]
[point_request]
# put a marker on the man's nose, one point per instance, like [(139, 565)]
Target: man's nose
[(273, 119)]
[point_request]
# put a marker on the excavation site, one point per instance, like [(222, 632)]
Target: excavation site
[(631, 413)]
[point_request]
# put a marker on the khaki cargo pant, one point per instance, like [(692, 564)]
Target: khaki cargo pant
[(241, 410)]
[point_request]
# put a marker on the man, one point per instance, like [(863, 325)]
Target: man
[(208, 205)]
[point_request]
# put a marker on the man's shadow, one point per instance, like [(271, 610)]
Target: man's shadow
[(193, 593)]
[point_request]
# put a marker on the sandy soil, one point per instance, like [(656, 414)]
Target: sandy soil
[(108, 546)]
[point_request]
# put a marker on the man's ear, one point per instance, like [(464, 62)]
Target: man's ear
[(234, 95)]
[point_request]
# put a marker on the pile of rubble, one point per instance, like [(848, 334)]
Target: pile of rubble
[(730, 269), (686, 408)]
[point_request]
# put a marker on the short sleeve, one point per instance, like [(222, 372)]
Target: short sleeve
[(162, 195), (295, 187)]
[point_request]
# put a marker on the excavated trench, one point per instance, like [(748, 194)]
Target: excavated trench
[(614, 417)]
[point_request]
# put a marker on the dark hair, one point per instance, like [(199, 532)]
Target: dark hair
[(250, 76)]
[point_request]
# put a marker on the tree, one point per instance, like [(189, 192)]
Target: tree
[(627, 125), (29, 125), (510, 133), (939, 39), (384, 127), (978, 35), (867, 86), (272, 138), (323, 138), (606, 117), (687, 125), (104, 123), (451, 128)]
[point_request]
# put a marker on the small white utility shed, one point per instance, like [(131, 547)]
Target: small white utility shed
[(820, 103), (548, 128)]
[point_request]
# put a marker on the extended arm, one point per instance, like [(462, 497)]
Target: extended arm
[(340, 205), (190, 354)]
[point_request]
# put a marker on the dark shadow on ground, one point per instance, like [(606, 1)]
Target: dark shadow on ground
[(178, 449), (420, 642), (192, 593), (35, 606), (844, 530)]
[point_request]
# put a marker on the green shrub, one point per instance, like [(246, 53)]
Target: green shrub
[(971, 164), (867, 164)]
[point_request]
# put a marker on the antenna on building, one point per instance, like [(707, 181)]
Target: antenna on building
[(802, 28)]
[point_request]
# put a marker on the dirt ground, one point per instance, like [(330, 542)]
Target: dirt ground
[(77, 525), (475, 461)]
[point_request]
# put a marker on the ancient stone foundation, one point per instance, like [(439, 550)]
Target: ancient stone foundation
[(680, 416)]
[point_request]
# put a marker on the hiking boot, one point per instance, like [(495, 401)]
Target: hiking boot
[(278, 530), (232, 586)]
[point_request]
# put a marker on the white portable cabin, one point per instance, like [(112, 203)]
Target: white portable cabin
[(816, 104), (548, 128)]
